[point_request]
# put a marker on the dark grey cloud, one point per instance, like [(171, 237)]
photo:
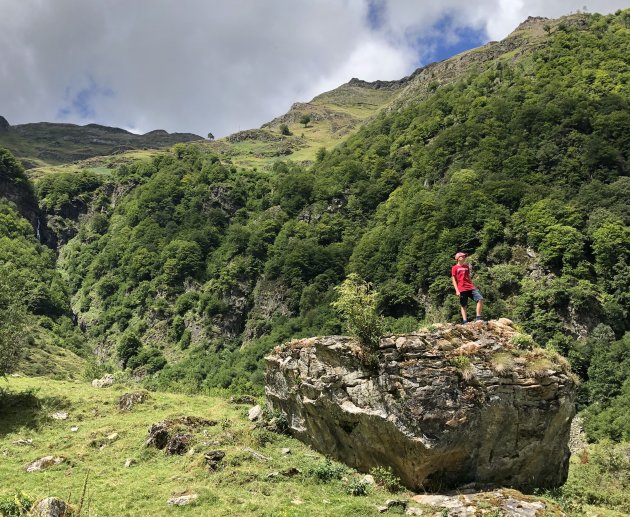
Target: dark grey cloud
[(201, 65)]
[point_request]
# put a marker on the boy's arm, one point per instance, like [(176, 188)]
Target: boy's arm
[(455, 285)]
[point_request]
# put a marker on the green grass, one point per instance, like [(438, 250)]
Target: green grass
[(100, 164), (240, 488)]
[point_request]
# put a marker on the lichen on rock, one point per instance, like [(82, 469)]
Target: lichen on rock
[(443, 407)]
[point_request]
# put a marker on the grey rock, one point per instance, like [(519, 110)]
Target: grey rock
[(51, 507), (286, 450), (129, 400), (44, 463), (436, 424), (130, 462), (214, 459), (182, 500), (60, 415), (257, 455), (104, 382), (468, 503), (254, 413)]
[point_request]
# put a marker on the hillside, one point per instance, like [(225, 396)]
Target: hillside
[(44, 143)]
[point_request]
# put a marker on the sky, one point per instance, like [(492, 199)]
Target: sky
[(222, 66)]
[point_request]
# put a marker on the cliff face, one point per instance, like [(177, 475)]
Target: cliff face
[(443, 407)]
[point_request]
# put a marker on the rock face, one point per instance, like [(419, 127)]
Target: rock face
[(443, 407)]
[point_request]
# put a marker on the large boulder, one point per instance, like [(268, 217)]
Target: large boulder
[(442, 407)]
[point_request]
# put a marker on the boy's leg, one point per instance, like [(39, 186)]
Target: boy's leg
[(477, 296), (463, 304)]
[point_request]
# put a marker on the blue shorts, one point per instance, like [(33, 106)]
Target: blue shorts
[(465, 295)]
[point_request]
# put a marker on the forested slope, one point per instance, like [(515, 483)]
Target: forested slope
[(187, 270)]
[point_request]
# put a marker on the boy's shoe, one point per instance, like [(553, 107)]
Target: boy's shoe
[(478, 318), (464, 322)]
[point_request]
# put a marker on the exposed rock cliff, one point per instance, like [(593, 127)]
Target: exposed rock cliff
[(443, 407)]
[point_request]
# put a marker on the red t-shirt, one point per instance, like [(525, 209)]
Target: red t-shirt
[(462, 277)]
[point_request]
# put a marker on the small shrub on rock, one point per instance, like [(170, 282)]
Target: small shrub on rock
[(523, 341), (357, 307)]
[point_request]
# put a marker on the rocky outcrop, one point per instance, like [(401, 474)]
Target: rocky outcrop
[(442, 407), (4, 124)]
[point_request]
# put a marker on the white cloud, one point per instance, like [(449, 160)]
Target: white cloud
[(201, 65)]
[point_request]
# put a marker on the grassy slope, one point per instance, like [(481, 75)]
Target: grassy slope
[(98, 164), (242, 487), (144, 488)]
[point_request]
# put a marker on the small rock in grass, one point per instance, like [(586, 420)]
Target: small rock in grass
[(104, 382), (254, 413), (297, 501), (257, 455), (396, 503), (60, 415), (51, 507), (130, 462), (44, 463), (273, 475), (286, 450), (368, 479), (243, 399), (74, 429), (112, 437), (412, 510), (213, 458), (21, 441), (129, 400), (291, 471), (182, 500)]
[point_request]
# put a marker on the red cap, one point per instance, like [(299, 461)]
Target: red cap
[(460, 255)]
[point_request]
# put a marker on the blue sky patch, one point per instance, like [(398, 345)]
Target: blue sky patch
[(446, 40), (375, 14), (81, 104)]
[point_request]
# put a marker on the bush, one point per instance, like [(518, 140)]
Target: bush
[(327, 471), (128, 347), (386, 478), (523, 341), (357, 307), (16, 505), (357, 487)]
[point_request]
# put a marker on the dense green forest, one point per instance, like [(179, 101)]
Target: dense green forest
[(186, 271)]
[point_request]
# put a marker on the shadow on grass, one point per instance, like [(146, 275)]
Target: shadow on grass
[(27, 409)]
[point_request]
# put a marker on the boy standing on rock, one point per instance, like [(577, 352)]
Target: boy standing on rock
[(464, 288)]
